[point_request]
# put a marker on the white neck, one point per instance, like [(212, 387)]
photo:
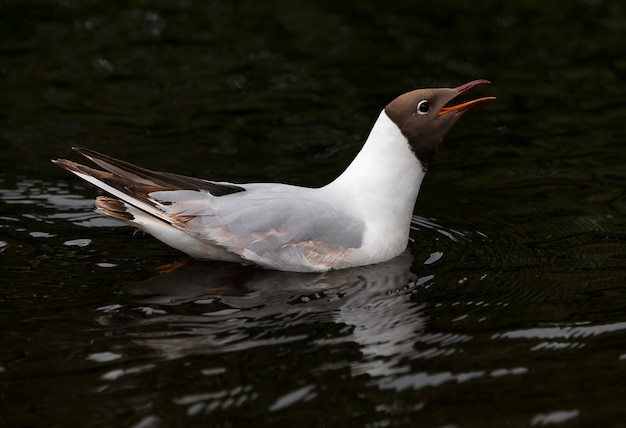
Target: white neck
[(386, 168), (382, 182)]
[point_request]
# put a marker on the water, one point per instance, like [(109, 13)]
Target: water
[(508, 308)]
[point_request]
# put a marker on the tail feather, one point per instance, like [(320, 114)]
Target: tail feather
[(113, 208), (132, 193), (131, 189), (169, 180)]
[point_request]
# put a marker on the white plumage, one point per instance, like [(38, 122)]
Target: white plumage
[(360, 218)]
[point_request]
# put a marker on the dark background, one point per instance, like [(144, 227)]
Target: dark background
[(518, 313)]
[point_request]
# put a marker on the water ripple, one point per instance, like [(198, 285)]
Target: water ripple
[(368, 306), (567, 332)]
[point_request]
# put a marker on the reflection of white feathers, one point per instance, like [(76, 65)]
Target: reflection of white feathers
[(260, 307)]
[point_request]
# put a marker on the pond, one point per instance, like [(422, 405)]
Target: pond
[(507, 309)]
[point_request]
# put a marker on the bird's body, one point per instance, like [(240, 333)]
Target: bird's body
[(360, 218)]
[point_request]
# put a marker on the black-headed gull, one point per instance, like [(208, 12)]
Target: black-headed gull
[(362, 217)]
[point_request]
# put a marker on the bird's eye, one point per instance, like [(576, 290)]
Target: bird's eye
[(422, 107)]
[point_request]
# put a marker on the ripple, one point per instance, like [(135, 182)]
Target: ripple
[(118, 373), (555, 417), (556, 346), (567, 332), (41, 235), (50, 202), (106, 265), (422, 380), (104, 357), (304, 393), (83, 242), (205, 403), (45, 194), (368, 306), (421, 223)]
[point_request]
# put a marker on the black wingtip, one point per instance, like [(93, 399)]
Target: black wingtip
[(80, 150), (63, 163)]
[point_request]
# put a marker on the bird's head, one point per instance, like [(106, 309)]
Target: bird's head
[(424, 119)]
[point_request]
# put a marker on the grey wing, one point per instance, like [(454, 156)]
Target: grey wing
[(276, 226)]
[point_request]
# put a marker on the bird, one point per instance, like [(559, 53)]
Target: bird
[(360, 218)]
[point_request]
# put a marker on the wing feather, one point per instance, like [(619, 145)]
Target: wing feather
[(273, 225), (166, 180)]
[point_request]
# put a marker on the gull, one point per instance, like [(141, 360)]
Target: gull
[(360, 218)]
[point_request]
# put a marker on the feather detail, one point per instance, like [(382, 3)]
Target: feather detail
[(113, 208), (164, 180)]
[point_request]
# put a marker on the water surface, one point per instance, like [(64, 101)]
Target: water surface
[(508, 308)]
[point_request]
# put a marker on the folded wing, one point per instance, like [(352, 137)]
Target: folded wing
[(273, 225)]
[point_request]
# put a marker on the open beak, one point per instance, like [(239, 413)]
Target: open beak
[(469, 104)]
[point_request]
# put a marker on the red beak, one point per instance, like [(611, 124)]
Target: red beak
[(469, 104)]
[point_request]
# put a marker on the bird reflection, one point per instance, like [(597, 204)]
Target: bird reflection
[(211, 308)]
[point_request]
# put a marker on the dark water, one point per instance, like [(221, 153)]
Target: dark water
[(509, 308)]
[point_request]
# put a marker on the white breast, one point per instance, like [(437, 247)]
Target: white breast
[(381, 187)]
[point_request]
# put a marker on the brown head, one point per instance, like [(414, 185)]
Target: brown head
[(424, 119)]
